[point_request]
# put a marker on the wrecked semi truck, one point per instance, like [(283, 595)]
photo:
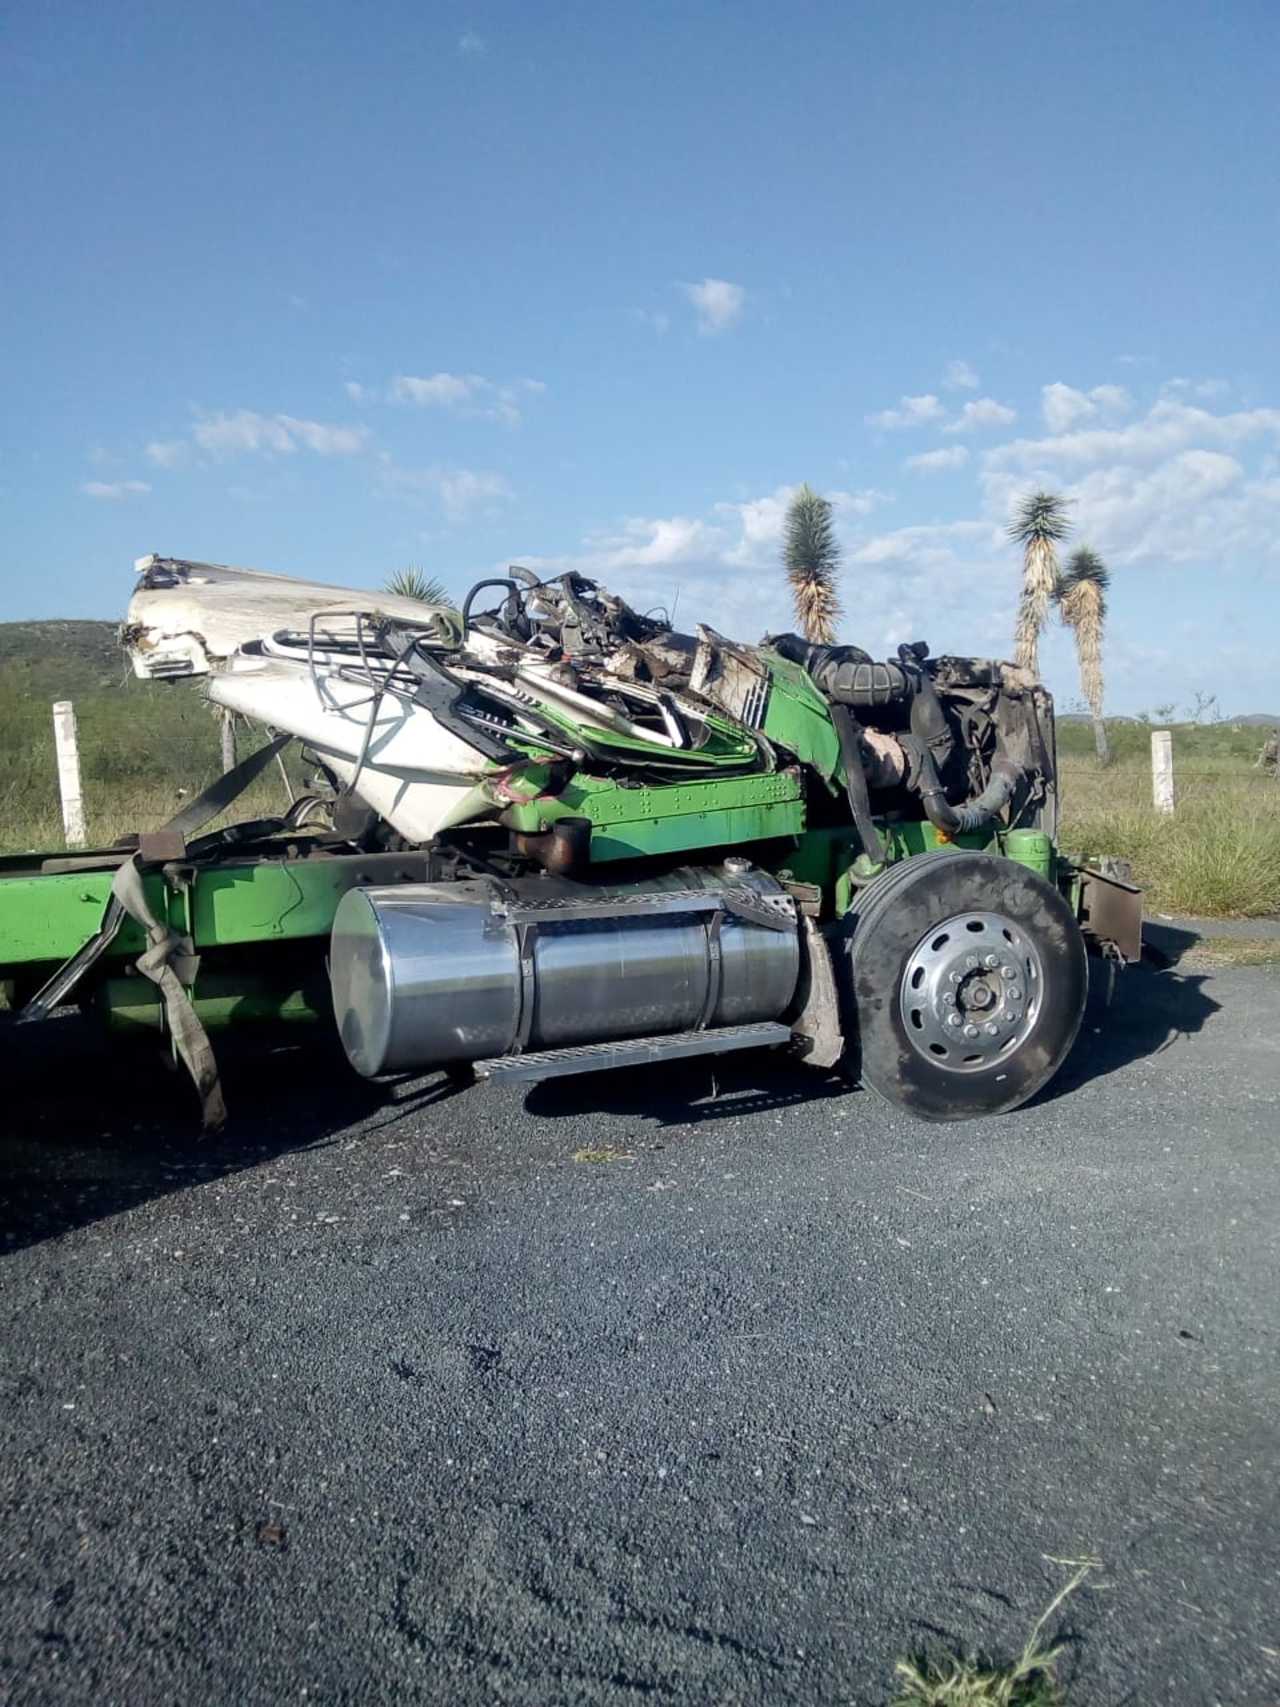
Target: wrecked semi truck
[(544, 834)]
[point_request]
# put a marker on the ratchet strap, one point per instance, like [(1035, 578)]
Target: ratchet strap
[(169, 960)]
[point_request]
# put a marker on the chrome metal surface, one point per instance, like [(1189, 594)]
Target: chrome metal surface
[(971, 991), (632, 1052), (425, 974)]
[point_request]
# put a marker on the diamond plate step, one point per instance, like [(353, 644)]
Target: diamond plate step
[(631, 1052)]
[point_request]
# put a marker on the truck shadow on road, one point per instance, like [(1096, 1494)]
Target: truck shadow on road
[(86, 1132), (1152, 1005)]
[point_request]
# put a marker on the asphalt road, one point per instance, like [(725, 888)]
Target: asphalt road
[(392, 1399)]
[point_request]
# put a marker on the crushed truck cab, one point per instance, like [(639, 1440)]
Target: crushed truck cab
[(546, 835)]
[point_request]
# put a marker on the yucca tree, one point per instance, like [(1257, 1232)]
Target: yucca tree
[(1039, 523), (412, 583), (1082, 599), (811, 558)]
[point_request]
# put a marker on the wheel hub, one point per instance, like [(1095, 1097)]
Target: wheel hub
[(970, 991)]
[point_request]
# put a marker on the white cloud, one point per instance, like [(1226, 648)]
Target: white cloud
[(1063, 406), (115, 489), (961, 376), (246, 432), (224, 434), (719, 304), (358, 393), (929, 545), (469, 393), (911, 412), (935, 461), (460, 490), (1112, 397), (441, 389), (325, 440), (1207, 389), (167, 453), (1181, 485), (652, 544), (1193, 506), (1166, 428), (471, 45), (985, 412)]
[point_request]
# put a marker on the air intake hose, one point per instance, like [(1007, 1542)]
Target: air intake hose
[(846, 674)]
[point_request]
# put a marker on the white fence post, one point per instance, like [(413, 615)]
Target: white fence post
[(228, 719), (1162, 770), (64, 740)]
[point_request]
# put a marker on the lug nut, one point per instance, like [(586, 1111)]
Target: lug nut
[(971, 1031), (1007, 972), (993, 1031), (991, 962), (953, 1019), (948, 1000), (1015, 994), (971, 960)]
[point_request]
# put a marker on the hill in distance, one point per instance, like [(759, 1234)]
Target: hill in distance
[(63, 656)]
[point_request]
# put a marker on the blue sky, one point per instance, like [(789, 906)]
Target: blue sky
[(330, 289)]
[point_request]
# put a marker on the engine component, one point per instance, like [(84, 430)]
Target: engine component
[(432, 973), (846, 674)]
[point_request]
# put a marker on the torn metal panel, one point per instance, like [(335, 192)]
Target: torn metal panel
[(187, 618)]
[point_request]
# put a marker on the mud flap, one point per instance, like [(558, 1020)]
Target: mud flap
[(816, 1022)]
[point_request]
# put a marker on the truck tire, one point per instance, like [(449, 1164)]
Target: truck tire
[(967, 979)]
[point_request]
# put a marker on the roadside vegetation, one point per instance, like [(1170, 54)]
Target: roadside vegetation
[(146, 747), (1218, 856), (969, 1680)]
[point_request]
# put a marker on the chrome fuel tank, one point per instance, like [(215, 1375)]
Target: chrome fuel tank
[(425, 974)]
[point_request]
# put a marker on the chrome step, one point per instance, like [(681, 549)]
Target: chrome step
[(631, 1052)]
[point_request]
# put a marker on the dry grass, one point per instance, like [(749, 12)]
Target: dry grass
[(113, 810), (598, 1153), (1214, 951), (1217, 856), (962, 1680)]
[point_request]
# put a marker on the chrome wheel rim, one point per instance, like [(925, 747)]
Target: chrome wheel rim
[(971, 992)]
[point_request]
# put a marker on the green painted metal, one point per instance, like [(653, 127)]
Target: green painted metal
[(725, 744), (49, 916), (631, 822), (916, 836), (799, 719), (1032, 848), (221, 999)]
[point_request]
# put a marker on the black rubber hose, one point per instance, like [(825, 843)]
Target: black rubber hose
[(975, 814), (846, 675), (929, 722)]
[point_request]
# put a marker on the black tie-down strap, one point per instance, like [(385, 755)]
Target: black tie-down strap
[(169, 960), (855, 782)]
